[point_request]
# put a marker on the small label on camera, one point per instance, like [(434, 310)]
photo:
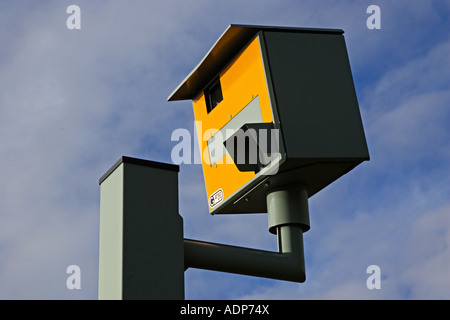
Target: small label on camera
[(215, 198)]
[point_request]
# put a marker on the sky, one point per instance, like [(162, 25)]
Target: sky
[(73, 101)]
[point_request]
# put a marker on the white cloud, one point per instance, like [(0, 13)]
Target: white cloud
[(413, 256), (425, 256), (64, 121)]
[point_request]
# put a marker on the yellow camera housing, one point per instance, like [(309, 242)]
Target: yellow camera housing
[(291, 88)]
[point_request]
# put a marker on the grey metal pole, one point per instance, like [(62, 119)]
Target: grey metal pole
[(141, 232), (288, 217)]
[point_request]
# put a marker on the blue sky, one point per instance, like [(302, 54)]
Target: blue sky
[(73, 101)]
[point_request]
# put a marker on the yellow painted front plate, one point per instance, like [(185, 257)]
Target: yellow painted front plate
[(241, 81)]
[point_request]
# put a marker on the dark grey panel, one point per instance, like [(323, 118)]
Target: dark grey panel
[(153, 256), (315, 96)]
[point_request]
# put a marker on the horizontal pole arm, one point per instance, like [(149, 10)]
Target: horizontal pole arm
[(225, 258), (287, 208)]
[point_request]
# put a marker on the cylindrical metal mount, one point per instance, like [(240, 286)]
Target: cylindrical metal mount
[(290, 239), (288, 205)]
